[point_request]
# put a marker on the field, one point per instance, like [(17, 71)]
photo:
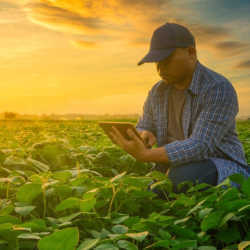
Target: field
[(65, 186)]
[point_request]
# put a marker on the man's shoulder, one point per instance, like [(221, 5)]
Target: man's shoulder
[(157, 88), (214, 81)]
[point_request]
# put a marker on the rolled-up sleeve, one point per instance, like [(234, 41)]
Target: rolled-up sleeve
[(146, 121), (219, 109)]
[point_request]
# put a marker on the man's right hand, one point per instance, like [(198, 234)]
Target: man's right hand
[(148, 138)]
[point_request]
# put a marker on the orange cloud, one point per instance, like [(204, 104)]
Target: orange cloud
[(85, 44), (129, 21), (244, 65), (58, 18), (107, 16)]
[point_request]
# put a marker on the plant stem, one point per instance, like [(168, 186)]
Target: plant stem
[(7, 190), (44, 203), (112, 200)]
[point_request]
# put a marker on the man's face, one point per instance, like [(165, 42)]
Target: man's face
[(175, 69)]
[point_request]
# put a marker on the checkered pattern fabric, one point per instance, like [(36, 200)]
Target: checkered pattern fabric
[(208, 122)]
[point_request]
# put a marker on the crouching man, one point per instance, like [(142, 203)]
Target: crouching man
[(190, 115)]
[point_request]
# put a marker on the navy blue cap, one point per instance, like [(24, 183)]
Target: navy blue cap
[(166, 39)]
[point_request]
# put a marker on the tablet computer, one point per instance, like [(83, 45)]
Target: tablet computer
[(122, 127)]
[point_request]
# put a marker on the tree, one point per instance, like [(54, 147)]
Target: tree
[(10, 115)]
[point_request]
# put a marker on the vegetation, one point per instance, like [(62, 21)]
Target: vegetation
[(65, 186)]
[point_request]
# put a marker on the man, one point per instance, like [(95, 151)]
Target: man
[(190, 113)]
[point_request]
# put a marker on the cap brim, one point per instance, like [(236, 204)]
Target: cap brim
[(156, 55)]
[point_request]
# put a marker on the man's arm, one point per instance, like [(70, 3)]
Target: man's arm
[(156, 155), (216, 117)]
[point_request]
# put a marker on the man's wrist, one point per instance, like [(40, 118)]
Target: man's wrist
[(156, 155)]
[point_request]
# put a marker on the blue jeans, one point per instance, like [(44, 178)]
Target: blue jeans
[(201, 171)]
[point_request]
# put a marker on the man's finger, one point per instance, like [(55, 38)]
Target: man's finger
[(152, 141), (132, 134), (115, 139), (118, 135)]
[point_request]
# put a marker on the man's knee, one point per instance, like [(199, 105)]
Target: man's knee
[(197, 172)]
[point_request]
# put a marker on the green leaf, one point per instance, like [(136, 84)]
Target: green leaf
[(138, 236), (226, 218), (39, 165), (243, 208), (198, 187), (120, 219), (106, 246), (184, 244), (165, 235), (207, 248), (66, 239), (229, 194), (118, 177), (9, 219), (204, 212), (211, 220), (69, 217), (246, 187), (28, 192), (196, 207), (87, 205), (24, 211), (237, 178), (119, 229), (182, 220), (62, 176), (36, 225), (3, 242), (91, 194), (8, 209), (5, 226), (182, 232), (88, 244), (71, 202), (231, 206), (28, 236), (229, 235), (124, 244), (162, 243)]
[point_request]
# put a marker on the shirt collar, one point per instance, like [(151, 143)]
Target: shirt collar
[(195, 83)]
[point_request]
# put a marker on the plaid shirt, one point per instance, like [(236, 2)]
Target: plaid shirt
[(208, 122)]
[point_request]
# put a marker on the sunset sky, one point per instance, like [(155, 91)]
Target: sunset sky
[(80, 56)]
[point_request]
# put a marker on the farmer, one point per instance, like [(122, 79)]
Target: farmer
[(190, 114)]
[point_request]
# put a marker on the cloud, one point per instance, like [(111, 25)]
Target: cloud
[(84, 44), (7, 5), (205, 33), (243, 65), (228, 48), (129, 21), (232, 45), (112, 17), (62, 19)]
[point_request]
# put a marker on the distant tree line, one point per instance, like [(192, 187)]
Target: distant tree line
[(70, 116), (10, 115)]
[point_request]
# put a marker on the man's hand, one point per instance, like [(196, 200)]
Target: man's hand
[(135, 146), (148, 138)]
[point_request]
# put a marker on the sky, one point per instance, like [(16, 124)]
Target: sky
[(80, 56)]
